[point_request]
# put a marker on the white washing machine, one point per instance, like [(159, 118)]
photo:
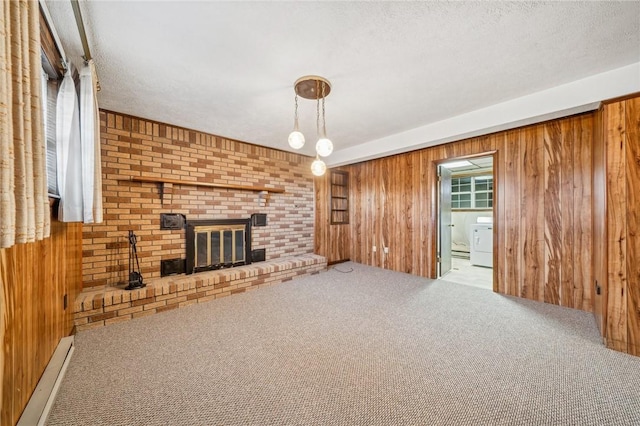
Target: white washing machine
[(481, 253)]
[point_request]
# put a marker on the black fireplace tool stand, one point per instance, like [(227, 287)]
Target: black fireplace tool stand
[(135, 277)]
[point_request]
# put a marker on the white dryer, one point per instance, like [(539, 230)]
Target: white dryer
[(481, 250)]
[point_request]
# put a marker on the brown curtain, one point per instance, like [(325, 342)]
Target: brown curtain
[(24, 206)]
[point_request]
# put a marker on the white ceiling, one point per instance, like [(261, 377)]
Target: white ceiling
[(404, 74)]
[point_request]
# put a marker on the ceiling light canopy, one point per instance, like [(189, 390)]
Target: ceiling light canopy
[(318, 88)]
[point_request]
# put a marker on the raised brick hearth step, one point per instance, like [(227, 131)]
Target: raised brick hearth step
[(108, 305)]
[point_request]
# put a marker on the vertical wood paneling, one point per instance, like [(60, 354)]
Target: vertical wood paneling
[(616, 229), (423, 266), (331, 241), (532, 202), (379, 214), (553, 230), (512, 213), (355, 211), (321, 229), (340, 243), (395, 222), (582, 193), (34, 278), (5, 362), (412, 211), (543, 210), (371, 204), (567, 141), (499, 213), (567, 214), (599, 222), (383, 217), (401, 213), (632, 127)]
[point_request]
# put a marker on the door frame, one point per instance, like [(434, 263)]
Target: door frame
[(439, 234), (435, 211)]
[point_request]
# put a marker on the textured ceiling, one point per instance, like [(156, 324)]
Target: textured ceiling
[(228, 67)]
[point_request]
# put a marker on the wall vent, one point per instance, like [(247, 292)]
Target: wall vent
[(172, 221), (172, 267), (258, 255), (259, 219)]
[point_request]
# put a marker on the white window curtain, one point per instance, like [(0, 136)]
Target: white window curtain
[(69, 151), (90, 138), (78, 149)]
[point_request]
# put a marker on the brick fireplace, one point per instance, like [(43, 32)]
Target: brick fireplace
[(135, 148)]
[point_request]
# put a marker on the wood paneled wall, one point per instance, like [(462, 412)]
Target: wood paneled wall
[(34, 279), (332, 236), (617, 263), (599, 222), (542, 215)]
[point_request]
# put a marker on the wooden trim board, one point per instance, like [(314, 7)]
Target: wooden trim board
[(39, 405)]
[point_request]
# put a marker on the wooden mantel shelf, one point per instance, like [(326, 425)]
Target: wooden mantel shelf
[(206, 184)]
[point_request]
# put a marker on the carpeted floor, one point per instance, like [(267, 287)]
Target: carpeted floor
[(369, 347)]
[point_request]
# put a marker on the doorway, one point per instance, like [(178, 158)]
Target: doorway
[(465, 221)]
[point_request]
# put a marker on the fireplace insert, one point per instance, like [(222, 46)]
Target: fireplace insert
[(216, 244)]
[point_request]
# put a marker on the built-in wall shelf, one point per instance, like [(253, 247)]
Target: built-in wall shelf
[(339, 201), (163, 181)]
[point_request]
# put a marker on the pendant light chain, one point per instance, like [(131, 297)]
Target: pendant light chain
[(295, 123), (296, 138), (324, 122), (318, 108)]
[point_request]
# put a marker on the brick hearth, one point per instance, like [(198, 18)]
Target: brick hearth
[(97, 307)]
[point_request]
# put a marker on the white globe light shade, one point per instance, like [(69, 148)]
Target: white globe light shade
[(318, 167), (296, 139), (324, 147)]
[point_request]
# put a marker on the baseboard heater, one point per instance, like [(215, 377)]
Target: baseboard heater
[(39, 405)]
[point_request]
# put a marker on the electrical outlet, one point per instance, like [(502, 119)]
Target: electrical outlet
[(375, 249), (386, 250)]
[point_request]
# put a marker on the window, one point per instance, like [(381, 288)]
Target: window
[(472, 192), (461, 193), (52, 72), (49, 97)]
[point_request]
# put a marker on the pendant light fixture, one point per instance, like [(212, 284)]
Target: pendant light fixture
[(318, 88), (296, 138), (318, 168), (324, 147)]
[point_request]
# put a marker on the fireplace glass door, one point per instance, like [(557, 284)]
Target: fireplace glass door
[(219, 246)]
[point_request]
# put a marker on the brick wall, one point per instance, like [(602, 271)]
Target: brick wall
[(138, 147)]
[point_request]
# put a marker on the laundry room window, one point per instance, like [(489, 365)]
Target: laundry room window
[(472, 192)]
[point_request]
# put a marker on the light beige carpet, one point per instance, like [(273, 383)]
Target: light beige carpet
[(369, 347)]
